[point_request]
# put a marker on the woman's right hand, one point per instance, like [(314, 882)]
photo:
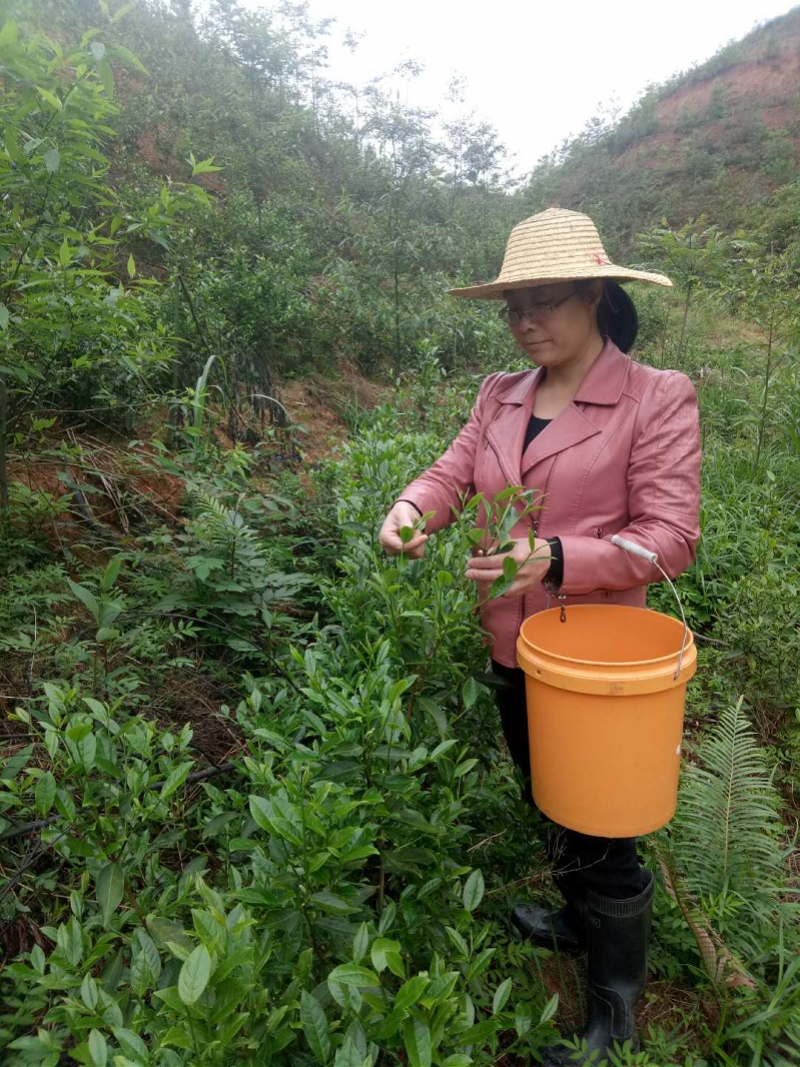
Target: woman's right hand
[(402, 514)]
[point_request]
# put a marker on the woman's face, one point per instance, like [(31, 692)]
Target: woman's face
[(560, 324)]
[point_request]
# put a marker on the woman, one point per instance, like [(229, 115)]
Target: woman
[(614, 446)]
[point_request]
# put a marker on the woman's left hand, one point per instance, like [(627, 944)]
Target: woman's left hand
[(486, 569)]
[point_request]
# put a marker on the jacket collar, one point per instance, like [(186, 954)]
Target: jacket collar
[(603, 383)]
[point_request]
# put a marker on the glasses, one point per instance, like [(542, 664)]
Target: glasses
[(512, 317)]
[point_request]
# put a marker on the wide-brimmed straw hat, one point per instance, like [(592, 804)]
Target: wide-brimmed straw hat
[(555, 246)]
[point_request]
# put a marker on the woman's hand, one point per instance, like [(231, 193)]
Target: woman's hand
[(486, 569), (402, 514)]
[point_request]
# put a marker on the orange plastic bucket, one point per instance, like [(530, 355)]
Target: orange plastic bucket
[(605, 715)]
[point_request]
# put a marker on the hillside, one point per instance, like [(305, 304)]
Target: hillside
[(714, 140)]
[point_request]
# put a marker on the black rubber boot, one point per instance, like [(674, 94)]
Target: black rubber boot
[(617, 932), (563, 928), (549, 927)]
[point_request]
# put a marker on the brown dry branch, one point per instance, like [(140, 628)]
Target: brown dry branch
[(721, 965)]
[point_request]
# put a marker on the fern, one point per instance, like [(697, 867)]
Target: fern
[(223, 531), (726, 835)]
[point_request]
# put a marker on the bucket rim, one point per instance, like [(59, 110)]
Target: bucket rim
[(655, 661)]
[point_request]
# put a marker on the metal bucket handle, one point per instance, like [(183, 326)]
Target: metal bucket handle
[(651, 557)]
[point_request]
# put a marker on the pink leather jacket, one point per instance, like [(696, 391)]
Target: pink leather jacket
[(623, 457)]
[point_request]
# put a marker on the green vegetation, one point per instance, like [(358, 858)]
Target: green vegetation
[(253, 803)]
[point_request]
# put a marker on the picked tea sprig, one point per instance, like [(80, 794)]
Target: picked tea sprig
[(408, 533), (501, 515)]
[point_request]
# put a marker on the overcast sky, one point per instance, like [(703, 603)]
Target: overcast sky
[(536, 70)]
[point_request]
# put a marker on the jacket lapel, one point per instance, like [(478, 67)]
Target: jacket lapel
[(602, 386), (506, 432), (569, 428)]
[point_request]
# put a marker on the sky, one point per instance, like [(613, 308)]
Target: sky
[(537, 71)]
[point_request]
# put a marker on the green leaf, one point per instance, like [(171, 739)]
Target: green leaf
[(360, 943), (110, 887), (171, 998), (51, 98), (131, 1044), (194, 976), (350, 974), (45, 793), (458, 941), (332, 903), (387, 917), (106, 77), (98, 1049), (442, 747), (349, 1056), (131, 266), (473, 890), (550, 1008), (204, 167), (481, 1032), (409, 993), (386, 953), (123, 11), (9, 33), (175, 779), (110, 574), (3, 317), (479, 963), (523, 1019), (98, 50), (469, 693), (315, 1026), (87, 598), (89, 992), (417, 1039), (145, 966), (261, 810), (465, 767), (501, 995), (52, 160)]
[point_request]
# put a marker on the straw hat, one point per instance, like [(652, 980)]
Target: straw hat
[(555, 246)]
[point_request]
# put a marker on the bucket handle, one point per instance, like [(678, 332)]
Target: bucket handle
[(652, 557)]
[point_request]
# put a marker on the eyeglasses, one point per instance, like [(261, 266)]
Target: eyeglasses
[(512, 317)]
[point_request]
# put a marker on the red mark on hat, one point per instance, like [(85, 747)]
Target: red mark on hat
[(600, 259)]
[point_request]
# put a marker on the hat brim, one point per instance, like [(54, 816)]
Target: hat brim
[(495, 290)]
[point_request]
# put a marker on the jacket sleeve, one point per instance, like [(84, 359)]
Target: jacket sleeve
[(449, 481), (663, 498)]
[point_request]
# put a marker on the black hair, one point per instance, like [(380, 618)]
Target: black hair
[(617, 320)]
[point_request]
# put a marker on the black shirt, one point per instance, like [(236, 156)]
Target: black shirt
[(555, 573)]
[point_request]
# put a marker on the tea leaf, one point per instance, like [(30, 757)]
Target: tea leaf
[(315, 1026), (110, 887), (417, 1037), (45, 793), (473, 890), (501, 995), (194, 976)]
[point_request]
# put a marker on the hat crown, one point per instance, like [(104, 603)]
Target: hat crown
[(556, 245)]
